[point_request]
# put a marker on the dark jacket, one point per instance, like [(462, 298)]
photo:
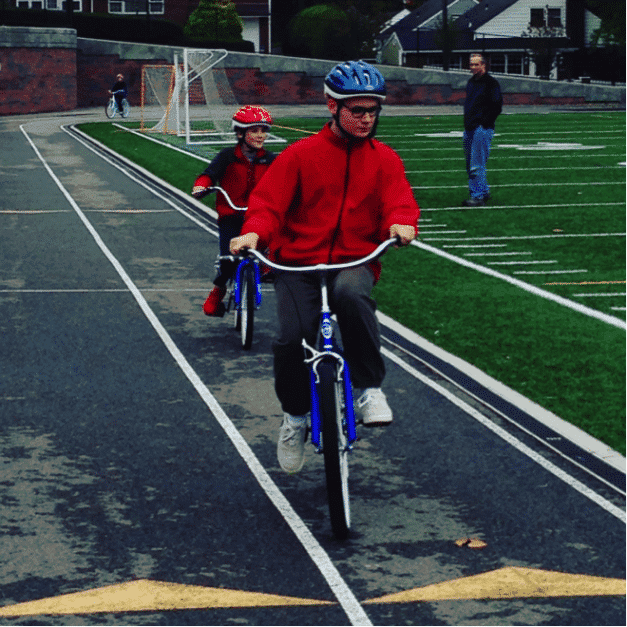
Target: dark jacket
[(483, 103)]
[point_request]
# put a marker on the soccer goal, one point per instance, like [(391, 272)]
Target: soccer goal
[(191, 98)]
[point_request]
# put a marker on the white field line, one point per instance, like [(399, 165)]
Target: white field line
[(498, 157), (521, 262), (474, 246), (549, 271), (573, 184), (587, 168), (600, 294), (592, 313), (524, 237), (344, 595), (496, 254), (517, 207), (162, 143), (570, 432)]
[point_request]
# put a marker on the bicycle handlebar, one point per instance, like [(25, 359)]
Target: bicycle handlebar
[(377, 252), (217, 188)]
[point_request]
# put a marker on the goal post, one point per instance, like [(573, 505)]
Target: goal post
[(192, 98)]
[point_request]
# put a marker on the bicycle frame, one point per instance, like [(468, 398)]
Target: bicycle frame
[(329, 352), (329, 348)]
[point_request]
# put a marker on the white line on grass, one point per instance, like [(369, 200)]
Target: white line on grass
[(342, 592), (554, 206), (524, 237), (588, 168), (571, 184), (532, 289), (600, 294), (496, 254), (521, 262), (549, 271)]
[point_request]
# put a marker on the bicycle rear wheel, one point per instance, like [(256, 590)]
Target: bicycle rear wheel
[(335, 448), (111, 109), (247, 305)]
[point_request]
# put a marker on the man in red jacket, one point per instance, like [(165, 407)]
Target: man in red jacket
[(331, 198)]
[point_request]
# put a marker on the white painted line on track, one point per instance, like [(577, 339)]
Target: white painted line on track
[(549, 271), (342, 592), (130, 175), (560, 300), (510, 254), (510, 439)]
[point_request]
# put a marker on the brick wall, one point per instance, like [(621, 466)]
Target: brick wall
[(51, 70), (37, 70)]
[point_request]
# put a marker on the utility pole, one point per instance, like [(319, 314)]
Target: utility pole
[(445, 40)]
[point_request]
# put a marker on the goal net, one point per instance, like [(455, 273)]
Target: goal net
[(192, 98)]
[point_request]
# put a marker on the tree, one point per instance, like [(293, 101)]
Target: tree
[(322, 31), (215, 20), (543, 47)]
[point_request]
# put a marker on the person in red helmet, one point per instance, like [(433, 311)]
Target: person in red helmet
[(237, 170)]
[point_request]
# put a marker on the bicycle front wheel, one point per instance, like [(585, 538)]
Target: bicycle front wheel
[(335, 448), (247, 305), (111, 109)]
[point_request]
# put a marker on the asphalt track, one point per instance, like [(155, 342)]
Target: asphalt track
[(137, 446)]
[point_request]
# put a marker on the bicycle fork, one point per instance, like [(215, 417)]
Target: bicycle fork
[(342, 374)]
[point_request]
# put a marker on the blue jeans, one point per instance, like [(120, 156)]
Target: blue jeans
[(477, 148)]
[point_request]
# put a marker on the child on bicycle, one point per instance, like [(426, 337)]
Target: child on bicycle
[(119, 91), (331, 198), (237, 170)]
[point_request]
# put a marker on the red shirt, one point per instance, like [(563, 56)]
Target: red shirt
[(328, 200), (236, 175)]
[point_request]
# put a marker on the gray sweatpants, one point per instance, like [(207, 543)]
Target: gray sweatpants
[(298, 308)]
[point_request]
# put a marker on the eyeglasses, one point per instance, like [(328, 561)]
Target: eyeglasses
[(359, 112)]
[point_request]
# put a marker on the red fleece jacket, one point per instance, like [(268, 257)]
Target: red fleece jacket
[(236, 175), (327, 200)]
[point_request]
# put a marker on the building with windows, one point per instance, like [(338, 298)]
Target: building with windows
[(255, 14), (546, 38)]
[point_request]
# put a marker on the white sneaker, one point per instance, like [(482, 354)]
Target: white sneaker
[(372, 408), (291, 445)]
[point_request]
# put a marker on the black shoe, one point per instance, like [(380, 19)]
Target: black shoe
[(474, 202)]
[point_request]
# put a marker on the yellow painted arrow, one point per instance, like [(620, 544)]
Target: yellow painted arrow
[(508, 583), (144, 595)]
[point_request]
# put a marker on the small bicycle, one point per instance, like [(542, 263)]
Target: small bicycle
[(111, 108), (333, 425), (244, 287)]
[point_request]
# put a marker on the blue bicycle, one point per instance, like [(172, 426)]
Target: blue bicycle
[(333, 424)]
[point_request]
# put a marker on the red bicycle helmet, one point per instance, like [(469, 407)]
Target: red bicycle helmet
[(251, 116)]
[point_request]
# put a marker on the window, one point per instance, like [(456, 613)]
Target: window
[(135, 6), (497, 63), (514, 64), (554, 18), (51, 5), (537, 18)]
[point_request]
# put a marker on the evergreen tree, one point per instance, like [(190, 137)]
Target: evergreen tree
[(215, 20)]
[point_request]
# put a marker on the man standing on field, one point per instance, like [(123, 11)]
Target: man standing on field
[(482, 106)]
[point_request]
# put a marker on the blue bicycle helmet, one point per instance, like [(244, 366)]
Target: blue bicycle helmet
[(354, 78)]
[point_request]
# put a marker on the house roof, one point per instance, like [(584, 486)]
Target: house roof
[(482, 13), (417, 17)]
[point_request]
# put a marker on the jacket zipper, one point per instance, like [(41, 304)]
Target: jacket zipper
[(339, 221)]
